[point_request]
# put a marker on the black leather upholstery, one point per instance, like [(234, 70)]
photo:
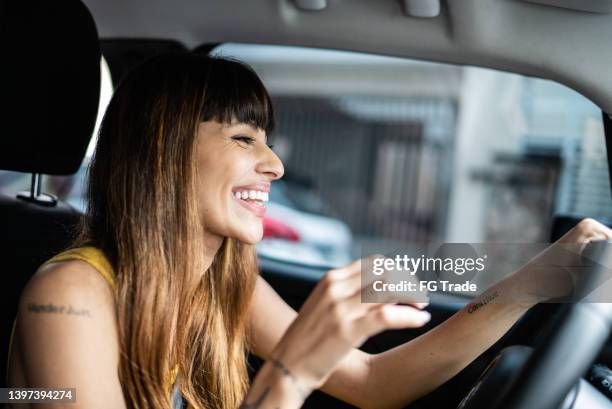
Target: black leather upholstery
[(50, 79), (30, 235)]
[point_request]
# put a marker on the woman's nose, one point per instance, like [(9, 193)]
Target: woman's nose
[(270, 164)]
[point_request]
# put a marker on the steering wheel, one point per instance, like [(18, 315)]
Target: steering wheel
[(547, 375)]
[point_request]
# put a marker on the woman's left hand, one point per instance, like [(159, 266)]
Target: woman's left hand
[(554, 272)]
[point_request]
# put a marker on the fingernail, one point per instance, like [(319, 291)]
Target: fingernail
[(425, 316)]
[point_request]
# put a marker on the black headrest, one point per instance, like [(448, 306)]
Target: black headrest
[(50, 85)]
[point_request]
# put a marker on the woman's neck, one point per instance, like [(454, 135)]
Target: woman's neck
[(212, 244)]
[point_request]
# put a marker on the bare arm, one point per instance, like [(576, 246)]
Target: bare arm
[(67, 335), (275, 386), (381, 380), (402, 374), (411, 370), (318, 346), (270, 318), (431, 359)]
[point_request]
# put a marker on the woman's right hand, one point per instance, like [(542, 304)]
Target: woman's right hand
[(332, 321)]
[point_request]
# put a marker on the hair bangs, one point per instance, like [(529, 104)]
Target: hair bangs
[(234, 93)]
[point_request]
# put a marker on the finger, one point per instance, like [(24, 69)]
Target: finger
[(602, 232), (373, 289), (355, 306), (390, 316), (341, 289), (369, 294), (343, 282), (594, 230), (356, 266), (419, 305), (349, 277)]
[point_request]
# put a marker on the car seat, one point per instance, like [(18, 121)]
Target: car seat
[(50, 76)]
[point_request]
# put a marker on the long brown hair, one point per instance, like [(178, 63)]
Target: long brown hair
[(143, 214)]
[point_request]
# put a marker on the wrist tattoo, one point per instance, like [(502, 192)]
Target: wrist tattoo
[(484, 301), (279, 365), (258, 401)]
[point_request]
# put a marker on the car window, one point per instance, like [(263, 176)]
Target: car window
[(390, 150), (381, 150)]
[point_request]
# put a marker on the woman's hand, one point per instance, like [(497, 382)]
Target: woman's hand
[(586, 231), (555, 271), (332, 321)]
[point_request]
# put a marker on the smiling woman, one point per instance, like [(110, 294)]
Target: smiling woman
[(181, 135), (243, 165), (159, 193), (184, 135)]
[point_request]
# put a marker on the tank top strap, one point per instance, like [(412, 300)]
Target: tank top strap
[(91, 255)]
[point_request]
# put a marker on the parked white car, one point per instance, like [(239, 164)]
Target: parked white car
[(295, 235)]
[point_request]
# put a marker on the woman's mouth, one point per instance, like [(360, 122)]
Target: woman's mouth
[(253, 200)]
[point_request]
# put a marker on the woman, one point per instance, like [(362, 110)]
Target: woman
[(162, 288)]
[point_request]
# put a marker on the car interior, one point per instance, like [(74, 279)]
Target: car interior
[(51, 88)]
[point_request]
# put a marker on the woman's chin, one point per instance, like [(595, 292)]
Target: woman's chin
[(249, 237)]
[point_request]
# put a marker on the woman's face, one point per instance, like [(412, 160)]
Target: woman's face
[(234, 160)]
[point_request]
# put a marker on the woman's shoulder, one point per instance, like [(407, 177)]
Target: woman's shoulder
[(74, 276), (64, 297), (66, 327), (90, 255)]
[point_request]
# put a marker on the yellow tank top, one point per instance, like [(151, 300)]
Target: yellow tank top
[(96, 258)]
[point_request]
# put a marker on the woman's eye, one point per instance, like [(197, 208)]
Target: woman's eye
[(245, 139)]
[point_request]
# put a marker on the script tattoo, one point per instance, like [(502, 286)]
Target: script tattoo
[(258, 402), (57, 309), (286, 372), (486, 300)]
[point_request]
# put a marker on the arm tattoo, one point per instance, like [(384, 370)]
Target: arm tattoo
[(57, 309), (286, 372), (258, 402), (485, 300)]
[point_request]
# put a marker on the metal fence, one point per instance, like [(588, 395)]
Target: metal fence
[(382, 164)]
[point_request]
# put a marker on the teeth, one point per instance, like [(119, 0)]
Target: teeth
[(252, 195)]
